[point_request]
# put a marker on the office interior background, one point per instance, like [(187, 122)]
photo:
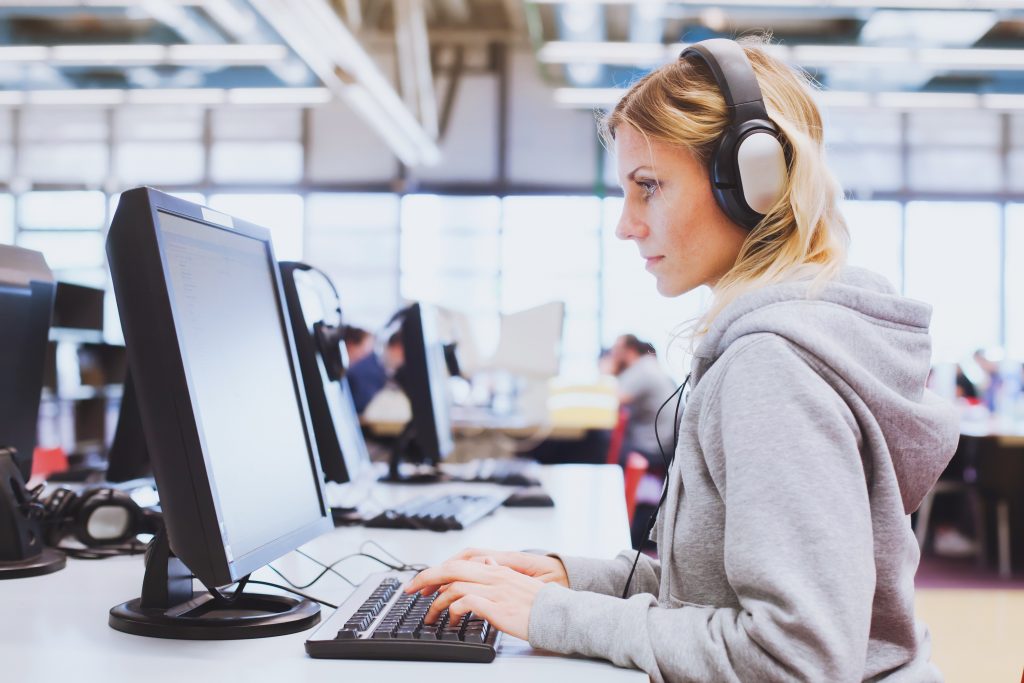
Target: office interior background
[(446, 150), (216, 101)]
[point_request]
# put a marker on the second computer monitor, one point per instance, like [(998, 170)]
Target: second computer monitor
[(424, 378), (343, 453)]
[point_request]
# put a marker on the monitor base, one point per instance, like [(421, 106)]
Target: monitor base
[(169, 608), (249, 616), (47, 562)]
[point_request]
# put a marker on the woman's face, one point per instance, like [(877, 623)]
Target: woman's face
[(682, 234)]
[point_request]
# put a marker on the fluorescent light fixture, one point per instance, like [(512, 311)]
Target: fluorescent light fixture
[(87, 55), (84, 97), (927, 100), (604, 98), (11, 98), (147, 55), (279, 96), (176, 96), (654, 54), (839, 99), (226, 54), (23, 53), (1002, 101), (588, 97), (573, 52)]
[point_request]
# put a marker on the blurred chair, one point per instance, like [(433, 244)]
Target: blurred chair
[(617, 437), (47, 461), (636, 467), (1001, 481), (958, 479)]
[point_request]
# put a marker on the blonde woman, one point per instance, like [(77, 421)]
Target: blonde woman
[(806, 439)]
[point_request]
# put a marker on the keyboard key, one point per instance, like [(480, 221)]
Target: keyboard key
[(347, 634)]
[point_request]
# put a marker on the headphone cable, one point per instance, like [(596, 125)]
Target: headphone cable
[(668, 460)]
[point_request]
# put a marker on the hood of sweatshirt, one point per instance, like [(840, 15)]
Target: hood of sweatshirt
[(876, 341)]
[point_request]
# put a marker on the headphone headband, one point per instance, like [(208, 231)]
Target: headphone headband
[(734, 75)]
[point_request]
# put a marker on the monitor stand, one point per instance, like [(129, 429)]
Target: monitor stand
[(22, 553), (406, 449), (168, 607)]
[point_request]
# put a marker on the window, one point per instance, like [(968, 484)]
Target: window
[(450, 251), (632, 304), (354, 239), (551, 251), (61, 211), (876, 237), (6, 219), (953, 263), (280, 213), (1014, 284), (66, 250)]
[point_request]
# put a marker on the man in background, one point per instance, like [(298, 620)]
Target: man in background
[(643, 387)]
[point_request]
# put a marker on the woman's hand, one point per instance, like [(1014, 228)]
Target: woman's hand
[(547, 569), (499, 594)]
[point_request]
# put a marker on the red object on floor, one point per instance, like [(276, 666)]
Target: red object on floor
[(636, 467), (618, 436), (47, 461)]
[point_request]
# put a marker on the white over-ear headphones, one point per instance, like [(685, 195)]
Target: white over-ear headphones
[(748, 165)]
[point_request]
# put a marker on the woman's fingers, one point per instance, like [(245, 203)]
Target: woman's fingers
[(455, 592), (477, 604), (453, 570)]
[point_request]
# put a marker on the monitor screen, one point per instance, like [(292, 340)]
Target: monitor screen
[(238, 367)]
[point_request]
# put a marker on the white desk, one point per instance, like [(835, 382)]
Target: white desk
[(55, 627)]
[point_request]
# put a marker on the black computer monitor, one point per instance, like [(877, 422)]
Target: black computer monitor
[(78, 307), (26, 303), (427, 439), (343, 454), (225, 419)]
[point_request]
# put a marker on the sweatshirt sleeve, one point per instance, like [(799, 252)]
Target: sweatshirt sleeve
[(609, 576), (782, 448)]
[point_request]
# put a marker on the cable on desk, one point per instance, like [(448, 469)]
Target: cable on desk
[(404, 566), (294, 592)]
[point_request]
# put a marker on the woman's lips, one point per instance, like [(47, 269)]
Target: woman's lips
[(652, 260)]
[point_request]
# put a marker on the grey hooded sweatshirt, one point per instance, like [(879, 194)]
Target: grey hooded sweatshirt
[(786, 552)]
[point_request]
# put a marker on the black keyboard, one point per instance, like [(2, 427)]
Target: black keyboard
[(503, 471), (379, 621), (438, 513)]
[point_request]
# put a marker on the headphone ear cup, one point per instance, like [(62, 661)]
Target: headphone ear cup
[(761, 170), (330, 342), (113, 513), (748, 172)]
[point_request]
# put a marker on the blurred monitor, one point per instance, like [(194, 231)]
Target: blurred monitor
[(530, 341), (339, 439), (424, 379), (101, 365), (26, 303), (456, 330), (220, 396), (128, 457), (78, 307)]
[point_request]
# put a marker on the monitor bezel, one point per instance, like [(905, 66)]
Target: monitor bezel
[(165, 401)]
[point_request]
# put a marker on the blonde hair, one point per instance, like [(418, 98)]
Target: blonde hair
[(804, 234)]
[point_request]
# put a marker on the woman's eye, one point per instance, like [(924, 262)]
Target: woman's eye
[(648, 188)]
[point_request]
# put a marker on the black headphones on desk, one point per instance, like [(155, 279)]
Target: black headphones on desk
[(748, 165), (104, 520)]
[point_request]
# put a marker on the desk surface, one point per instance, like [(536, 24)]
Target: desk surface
[(55, 627)]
